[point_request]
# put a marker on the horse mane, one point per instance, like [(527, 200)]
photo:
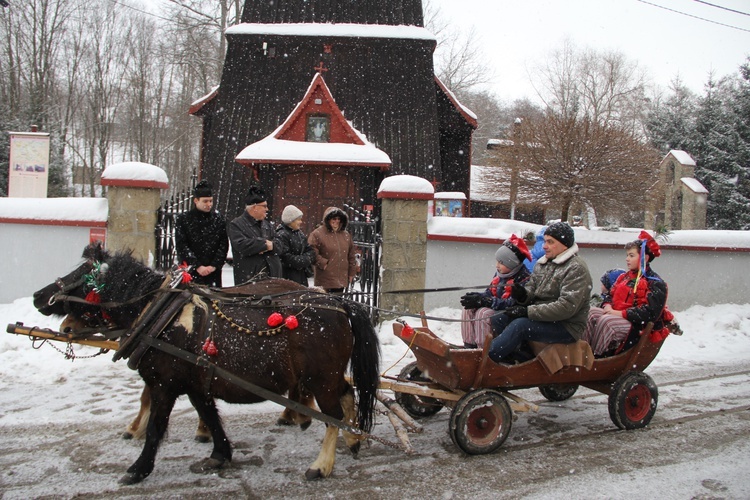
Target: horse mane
[(126, 279)]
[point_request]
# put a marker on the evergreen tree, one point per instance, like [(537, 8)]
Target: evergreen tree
[(718, 150), (671, 122)]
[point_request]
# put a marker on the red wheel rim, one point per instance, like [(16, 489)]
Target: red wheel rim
[(638, 403), (484, 424)]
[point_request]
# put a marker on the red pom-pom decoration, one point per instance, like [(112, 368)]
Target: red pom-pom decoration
[(93, 297), (211, 349), (291, 322), (407, 331), (275, 319), (186, 278), (205, 345)]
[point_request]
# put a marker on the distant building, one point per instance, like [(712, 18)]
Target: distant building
[(679, 199)]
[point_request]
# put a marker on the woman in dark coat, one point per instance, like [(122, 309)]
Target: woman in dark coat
[(296, 254)]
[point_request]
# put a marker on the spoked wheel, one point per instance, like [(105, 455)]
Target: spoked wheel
[(416, 406), (480, 422), (558, 392), (632, 402)]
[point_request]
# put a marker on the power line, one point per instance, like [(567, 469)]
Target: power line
[(723, 8), (695, 17)]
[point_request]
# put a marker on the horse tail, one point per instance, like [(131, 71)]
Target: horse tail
[(365, 362)]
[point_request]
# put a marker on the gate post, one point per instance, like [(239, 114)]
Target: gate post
[(405, 201), (133, 197)]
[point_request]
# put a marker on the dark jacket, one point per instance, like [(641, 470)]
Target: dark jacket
[(251, 260), (559, 291), (296, 254), (499, 289), (201, 240), (335, 261)]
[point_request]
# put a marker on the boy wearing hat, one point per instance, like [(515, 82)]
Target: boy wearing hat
[(296, 254), (201, 238), (252, 238), (554, 304), (480, 315), (637, 297)]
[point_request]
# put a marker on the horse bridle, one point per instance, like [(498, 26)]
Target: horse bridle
[(64, 288)]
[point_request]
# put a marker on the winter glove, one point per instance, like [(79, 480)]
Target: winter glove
[(471, 300), (519, 293), (514, 312)]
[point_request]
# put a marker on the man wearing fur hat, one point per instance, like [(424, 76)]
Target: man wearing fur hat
[(553, 305), (252, 238), (296, 254), (201, 238)]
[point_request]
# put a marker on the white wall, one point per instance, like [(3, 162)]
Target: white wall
[(34, 255), (694, 277)]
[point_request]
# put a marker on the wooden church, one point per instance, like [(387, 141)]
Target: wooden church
[(319, 100)]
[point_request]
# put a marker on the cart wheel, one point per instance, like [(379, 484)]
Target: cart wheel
[(480, 422), (416, 406), (632, 402), (558, 392)]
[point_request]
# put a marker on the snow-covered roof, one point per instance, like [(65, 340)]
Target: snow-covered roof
[(469, 115), (196, 105), (272, 150), (499, 142), (333, 30), (682, 157), (450, 195), (492, 184), (694, 185), (406, 184), (62, 209), (135, 171)]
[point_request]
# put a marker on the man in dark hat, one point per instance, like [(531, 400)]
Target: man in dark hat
[(252, 238), (201, 238), (553, 306)]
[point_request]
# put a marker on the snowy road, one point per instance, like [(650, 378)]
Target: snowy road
[(61, 423)]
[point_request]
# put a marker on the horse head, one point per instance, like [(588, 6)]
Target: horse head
[(56, 298)]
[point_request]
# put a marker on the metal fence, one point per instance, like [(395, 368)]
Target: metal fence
[(166, 216), (367, 239)]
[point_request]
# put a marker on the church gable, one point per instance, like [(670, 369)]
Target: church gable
[(317, 118)]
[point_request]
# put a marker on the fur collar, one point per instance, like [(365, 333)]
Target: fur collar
[(563, 257)]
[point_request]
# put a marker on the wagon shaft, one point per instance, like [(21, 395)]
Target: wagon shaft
[(68, 338)]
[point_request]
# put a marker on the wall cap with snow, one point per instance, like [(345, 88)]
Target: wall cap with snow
[(406, 187), (135, 174)]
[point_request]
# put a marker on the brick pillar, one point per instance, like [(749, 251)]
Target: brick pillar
[(404, 226), (133, 196)]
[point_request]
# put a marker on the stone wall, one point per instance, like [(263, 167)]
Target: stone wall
[(132, 218)]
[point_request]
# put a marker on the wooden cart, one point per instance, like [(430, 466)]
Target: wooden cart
[(476, 388)]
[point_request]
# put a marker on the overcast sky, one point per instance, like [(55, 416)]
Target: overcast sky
[(516, 34)]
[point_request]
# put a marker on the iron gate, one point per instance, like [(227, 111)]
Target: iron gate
[(364, 231), (166, 216)]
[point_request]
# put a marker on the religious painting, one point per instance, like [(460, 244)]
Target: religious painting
[(318, 128)]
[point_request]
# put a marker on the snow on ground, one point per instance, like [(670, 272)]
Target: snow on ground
[(714, 335), (38, 385)]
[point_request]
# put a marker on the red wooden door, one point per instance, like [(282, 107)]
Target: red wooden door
[(313, 189)]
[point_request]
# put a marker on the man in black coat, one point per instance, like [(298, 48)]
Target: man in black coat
[(252, 238), (201, 238)]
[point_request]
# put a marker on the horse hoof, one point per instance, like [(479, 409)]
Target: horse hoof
[(305, 425), (202, 439), (313, 474), (131, 478), (127, 435), (284, 421), (207, 465), (355, 448)]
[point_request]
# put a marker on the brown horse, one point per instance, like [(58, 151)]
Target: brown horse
[(311, 356)]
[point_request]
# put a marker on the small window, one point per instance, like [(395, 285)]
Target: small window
[(318, 128)]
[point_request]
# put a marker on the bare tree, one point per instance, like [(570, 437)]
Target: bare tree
[(458, 57), (578, 163)]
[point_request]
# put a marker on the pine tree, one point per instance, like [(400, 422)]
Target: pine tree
[(671, 122)]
